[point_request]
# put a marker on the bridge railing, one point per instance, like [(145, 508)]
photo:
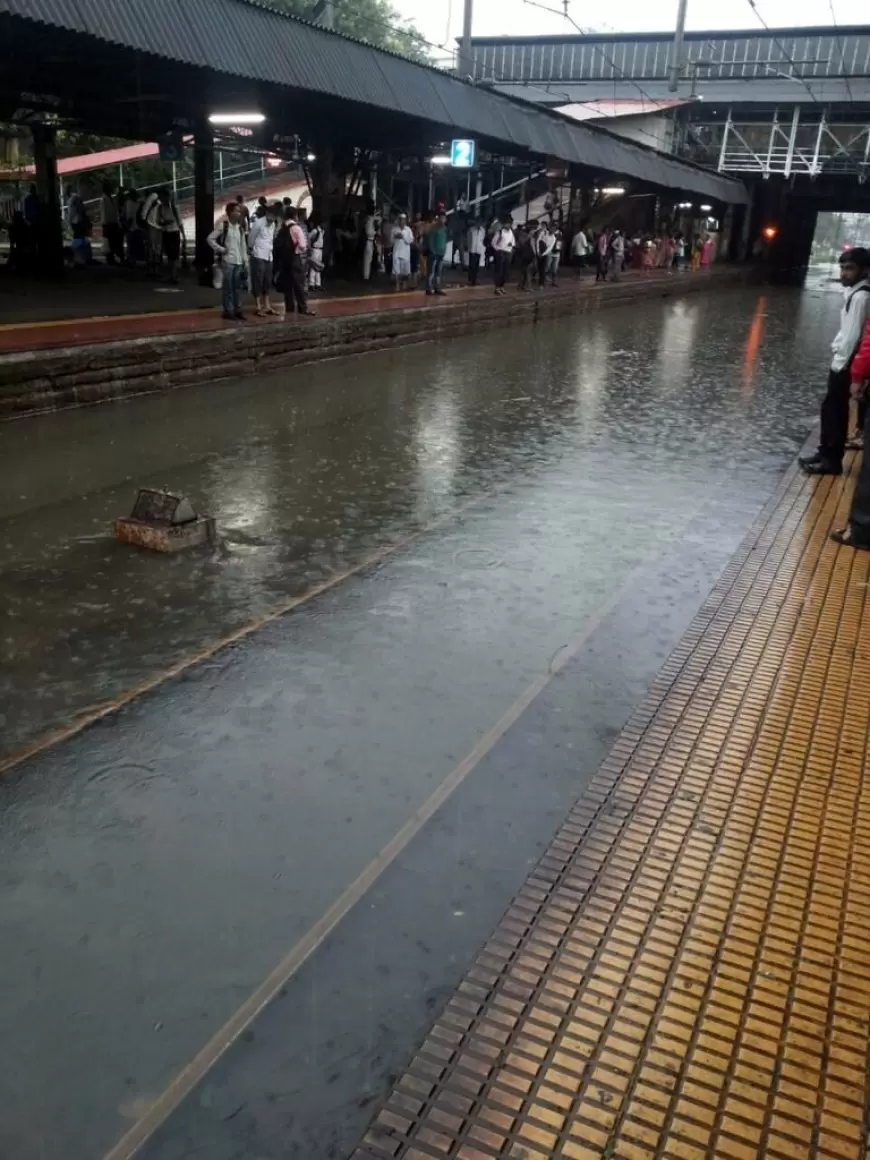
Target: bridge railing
[(789, 142)]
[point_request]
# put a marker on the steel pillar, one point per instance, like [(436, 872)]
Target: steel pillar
[(203, 190), (50, 245), (792, 139), (724, 149)]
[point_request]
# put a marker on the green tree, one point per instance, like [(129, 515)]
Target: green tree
[(375, 21)]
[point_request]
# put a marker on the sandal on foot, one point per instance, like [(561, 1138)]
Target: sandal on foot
[(844, 536)]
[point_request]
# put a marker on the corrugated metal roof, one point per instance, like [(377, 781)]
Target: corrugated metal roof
[(249, 40)]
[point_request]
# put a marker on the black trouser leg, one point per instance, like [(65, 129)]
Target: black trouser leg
[(862, 414), (473, 268), (859, 516), (115, 239), (835, 416), (298, 285)]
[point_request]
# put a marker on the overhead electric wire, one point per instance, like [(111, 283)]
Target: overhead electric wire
[(595, 48), (616, 70), (842, 48), (781, 48)]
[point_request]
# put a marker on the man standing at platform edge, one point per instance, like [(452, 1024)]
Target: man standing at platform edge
[(229, 242), (855, 277), (436, 248)]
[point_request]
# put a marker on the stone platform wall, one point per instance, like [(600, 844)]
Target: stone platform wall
[(38, 381)]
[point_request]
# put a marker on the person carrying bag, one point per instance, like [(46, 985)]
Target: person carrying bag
[(291, 265)]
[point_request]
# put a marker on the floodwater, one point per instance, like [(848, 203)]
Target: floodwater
[(154, 869), (617, 425)]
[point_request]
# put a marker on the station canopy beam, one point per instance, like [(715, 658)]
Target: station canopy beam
[(139, 70)]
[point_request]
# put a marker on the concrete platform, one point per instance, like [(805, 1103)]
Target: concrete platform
[(685, 973)]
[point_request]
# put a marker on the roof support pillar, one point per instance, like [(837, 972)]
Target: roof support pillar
[(723, 152), (774, 129), (815, 166), (203, 189), (50, 245), (792, 139)]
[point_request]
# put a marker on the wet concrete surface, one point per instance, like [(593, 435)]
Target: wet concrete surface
[(155, 868)]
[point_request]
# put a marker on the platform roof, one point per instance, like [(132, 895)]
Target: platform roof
[(139, 69)]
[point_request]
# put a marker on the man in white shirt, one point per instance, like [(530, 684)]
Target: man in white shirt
[(855, 277), (261, 241), (503, 245), (229, 242), (545, 240), (476, 244), (402, 239), (579, 248)]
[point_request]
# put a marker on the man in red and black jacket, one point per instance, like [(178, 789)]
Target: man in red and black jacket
[(857, 533)]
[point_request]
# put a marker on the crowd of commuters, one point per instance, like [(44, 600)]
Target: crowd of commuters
[(273, 246), (277, 245), (138, 229), (415, 253), (612, 251)]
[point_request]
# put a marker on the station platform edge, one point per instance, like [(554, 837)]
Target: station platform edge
[(686, 975), (38, 335)]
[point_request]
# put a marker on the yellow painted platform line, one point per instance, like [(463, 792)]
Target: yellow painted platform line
[(91, 319), (686, 974)]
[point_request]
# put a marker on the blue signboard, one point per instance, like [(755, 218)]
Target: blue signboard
[(462, 153)]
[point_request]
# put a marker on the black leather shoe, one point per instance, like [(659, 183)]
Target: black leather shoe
[(821, 467), (805, 460)]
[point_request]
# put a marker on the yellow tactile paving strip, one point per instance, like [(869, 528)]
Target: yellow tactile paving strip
[(686, 974)]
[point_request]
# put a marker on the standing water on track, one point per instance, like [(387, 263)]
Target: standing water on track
[(154, 869), (310, 471)]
